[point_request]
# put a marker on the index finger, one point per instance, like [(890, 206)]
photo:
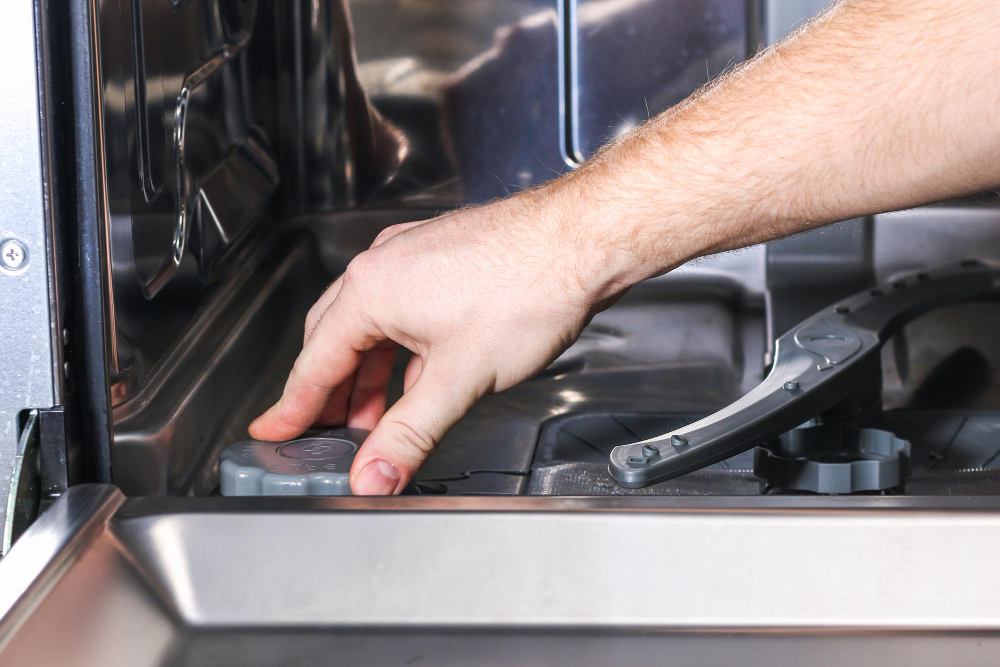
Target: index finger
[(332, 353)]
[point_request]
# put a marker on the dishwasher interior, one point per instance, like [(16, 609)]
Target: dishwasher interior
[(241, 152), (306, 128)]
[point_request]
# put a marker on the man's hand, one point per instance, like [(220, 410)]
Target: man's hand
[(484, 298), (877, 105)]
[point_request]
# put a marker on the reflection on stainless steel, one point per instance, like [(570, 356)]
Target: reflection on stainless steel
[(474, 87), (388, 102), (491, 100), (179, 123), (181, 197), (337, 148), (222, 373), (150, 152), (258, 580), (909, 240), (636, 58)]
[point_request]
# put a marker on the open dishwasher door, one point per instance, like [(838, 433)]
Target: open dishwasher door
[(206, 168), (100, 579)]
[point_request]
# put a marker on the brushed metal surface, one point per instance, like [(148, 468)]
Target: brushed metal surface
[(222, 373), (177, 89), (501, 581), (474, 89), (636, 59), (31, 373)]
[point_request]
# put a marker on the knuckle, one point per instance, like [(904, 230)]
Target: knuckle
[(416, 442), (384, 235), (360, 267), (301, 371), (294, 422)]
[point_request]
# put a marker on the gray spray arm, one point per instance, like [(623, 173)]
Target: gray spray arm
[(816, 365)]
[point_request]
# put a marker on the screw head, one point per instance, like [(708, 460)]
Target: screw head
[(13, 255)]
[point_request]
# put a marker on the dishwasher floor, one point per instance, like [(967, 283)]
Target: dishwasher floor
[(663, 358)]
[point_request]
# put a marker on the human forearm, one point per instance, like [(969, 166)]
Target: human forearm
[(878, 105)]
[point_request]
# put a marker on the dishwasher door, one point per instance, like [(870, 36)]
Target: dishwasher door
[(104, 580)]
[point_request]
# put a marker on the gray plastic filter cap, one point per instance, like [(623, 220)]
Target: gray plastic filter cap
[(317, 464)]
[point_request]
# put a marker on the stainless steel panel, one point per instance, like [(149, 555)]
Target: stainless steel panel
[(176, 106), (635, 58), (111, 595), (474, 87), (368, 101), (222, 373), (491, 97), (915, 238), (501, 581), (809, 271), (31, 373), (337, 149), (945, 232), (371, 101)]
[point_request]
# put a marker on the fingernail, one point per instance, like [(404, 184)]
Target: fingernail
[(378, 478)]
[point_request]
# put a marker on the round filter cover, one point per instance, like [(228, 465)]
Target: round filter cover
[(317, 464)]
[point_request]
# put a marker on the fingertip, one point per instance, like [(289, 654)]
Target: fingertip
[(270, 427), (258, 427), (378, 477)]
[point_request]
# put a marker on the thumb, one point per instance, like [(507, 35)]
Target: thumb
[(410, 430)]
